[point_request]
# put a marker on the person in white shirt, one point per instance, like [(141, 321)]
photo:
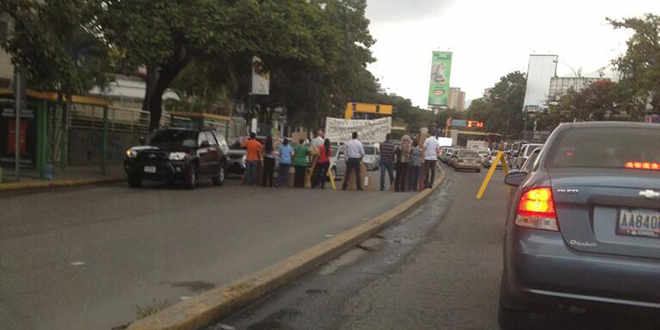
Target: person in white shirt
[(431, 147), (317, 142), (354, 154)]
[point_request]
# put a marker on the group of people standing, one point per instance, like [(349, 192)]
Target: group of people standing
[(408, 161), (297, 156)]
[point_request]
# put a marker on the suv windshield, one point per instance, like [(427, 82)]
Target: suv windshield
[(171, 137), (594, 147), (370, 150)]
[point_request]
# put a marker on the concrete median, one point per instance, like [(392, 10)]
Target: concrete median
[(212, 305)]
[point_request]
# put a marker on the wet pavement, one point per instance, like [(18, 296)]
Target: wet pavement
[(433, 270), (438, 269), (94, 257)]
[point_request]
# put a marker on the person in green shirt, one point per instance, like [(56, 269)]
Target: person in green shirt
[(300, 162)]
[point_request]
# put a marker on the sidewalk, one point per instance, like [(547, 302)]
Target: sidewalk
[(70, 177)]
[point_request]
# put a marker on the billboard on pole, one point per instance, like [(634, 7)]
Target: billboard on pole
[(260, 78), (440, 77), (539, 74)]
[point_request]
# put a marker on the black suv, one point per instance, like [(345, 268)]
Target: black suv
[(178, 154)]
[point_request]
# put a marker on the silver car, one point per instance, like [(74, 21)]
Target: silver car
[(338, 161), (466, 160), (371, 157), (583, 228)]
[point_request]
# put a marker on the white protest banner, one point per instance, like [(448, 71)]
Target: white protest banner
[(340, 130)]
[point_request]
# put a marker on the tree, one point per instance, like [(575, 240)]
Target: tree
[(58, 52), (640, 66), (502, 111)]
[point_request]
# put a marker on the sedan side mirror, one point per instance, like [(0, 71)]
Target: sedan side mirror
[(515, 178)]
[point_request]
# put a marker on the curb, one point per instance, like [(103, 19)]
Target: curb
[(212, 305), (39, 185)]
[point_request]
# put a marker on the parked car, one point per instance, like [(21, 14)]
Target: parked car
[(178, 155), (446, 155), (466, 160), (488, 162), (338, 161), (583, 227), (484, 154), (525, 151), (237, 156), (371, 157)]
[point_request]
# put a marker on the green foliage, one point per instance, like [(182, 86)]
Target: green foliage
[(640, 66), (57, 51), (502, 111)]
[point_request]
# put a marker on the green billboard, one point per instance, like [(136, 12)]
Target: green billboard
[(440, 75)]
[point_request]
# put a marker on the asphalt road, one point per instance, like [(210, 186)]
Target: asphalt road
[(438, 269), (87, 258)]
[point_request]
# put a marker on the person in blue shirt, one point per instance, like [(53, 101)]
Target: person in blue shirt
[(285, 151)]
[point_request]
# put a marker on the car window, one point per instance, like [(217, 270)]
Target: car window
[(170, 137), (468, 154), (237, 145), (594, 147), (370, 150), (211, 138), (530, 149), (529, 163)]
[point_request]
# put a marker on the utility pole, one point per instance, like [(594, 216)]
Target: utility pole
[(18, 96)]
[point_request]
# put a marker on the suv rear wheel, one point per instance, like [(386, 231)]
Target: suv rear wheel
[(135, 181)]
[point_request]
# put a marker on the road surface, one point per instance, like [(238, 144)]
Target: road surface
[(87, 258), (439, 268)]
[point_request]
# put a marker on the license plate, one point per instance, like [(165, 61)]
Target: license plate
[(150, 169), (644, 223)]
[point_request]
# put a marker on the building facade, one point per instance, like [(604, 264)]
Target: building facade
[(456, 99), (559, 86)]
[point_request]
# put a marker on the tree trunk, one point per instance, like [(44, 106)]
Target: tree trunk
[(159, 78)]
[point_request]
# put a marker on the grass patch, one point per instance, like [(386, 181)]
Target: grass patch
[(153, 308)]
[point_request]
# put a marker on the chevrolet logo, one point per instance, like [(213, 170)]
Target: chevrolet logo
[(650, 194)]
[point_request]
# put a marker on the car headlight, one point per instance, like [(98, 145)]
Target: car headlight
[(130, 153), (177, 156)]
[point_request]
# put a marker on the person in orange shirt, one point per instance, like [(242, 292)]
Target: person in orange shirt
[(253, 147)]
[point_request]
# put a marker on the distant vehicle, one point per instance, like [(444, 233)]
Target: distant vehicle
[(371, 157), (488, 162), (525, 151), (446, 155), (237, 156), (178, 155), (477, 144), (484, 154), (338, 161), (583, 226), (466, 160)]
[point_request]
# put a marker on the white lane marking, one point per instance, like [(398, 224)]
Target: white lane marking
[(184, 297), (77, 263)]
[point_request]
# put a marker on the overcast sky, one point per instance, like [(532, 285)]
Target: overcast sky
[(491, 38)]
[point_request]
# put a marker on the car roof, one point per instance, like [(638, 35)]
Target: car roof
[(609, 124)]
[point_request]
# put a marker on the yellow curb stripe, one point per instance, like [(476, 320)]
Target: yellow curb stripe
[(212, 305)]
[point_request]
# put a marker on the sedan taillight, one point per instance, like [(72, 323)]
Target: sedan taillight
[(536, 210)]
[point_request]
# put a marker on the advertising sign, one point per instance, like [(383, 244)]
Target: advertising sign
[(539, 74), (260, 78), (440, 77), (340, 130)]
